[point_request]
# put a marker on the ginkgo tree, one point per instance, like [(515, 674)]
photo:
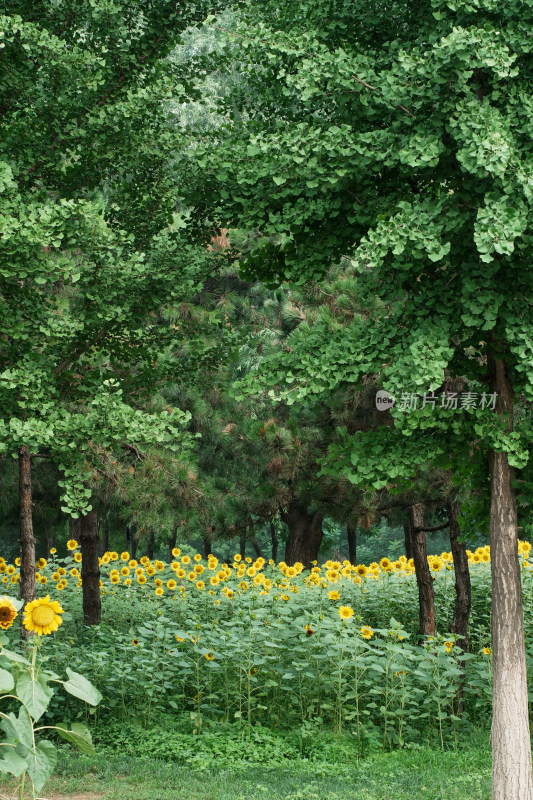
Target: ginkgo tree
[(398, 135), (92, 244)]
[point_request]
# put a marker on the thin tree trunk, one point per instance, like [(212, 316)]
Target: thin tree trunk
[(305, 535), (255, 543), (131, 540), (511, 744), (172, 541), (104, 536), (426, 593), (206, 541), (50, 540), (242, 543), (150, 546), (408, 544), (351, 533), (27, 588), (463, 595), (274, 540), (85, 530)]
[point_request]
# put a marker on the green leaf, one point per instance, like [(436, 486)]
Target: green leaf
[(6, 681), (80, 687), (13, 656), (12, 763), (42, 763), (35, 695), (78, 735)]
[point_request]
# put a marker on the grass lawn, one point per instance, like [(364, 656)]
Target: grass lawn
[(415, 774)]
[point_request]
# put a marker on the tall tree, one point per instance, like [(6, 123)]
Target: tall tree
[(402, 142)]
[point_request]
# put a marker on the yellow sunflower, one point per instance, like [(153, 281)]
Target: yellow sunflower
[(77, 558), (7, 613), (72, 544), (366, 632), (42, 616), (334, 595), (345, 612)]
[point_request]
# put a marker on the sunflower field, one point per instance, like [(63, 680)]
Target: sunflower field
[(253, 643)]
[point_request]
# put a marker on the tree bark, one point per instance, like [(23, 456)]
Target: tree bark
[(407, 537), (426, 593), (511, 744), (50, 539), (463, 594), (351, 533), (242, 543), (27, 588), (305, 534), (85, 530), (150, 546), (206, 541), (255, 544), (104, 537), (172, 542), (274, 540), (131, 540)]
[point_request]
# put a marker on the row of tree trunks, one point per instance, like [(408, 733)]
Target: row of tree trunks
[(351, 533), (305, 535)]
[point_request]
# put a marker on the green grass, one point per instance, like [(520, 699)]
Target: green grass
[(418, 773)]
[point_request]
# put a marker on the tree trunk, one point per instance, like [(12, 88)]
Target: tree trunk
[(255, 543), (206, 541), (27, 589), (242, 543), (351, 533), (426, 594), (131, 540), (274, 540), (305, 535), (461, 611), (408, 544), (150, 546), (85, 530), (511, 744), (172, 542), (104, 536), (50, 539)]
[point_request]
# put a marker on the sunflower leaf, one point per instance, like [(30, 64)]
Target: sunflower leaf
[(34, 694), (78, 735), (42, 761), (6, 681), (80, 687)]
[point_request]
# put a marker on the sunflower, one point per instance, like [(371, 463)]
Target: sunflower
[(125, 556), (77, 558), (7, 613), (114, 579), (366, 632), (361, 570), (385, 564), (127, 582), (74, 572), (132, 564), (135, 642), (158, 582), (41, 563), (200, 585), (125, 571), (185, 560), (345, 612), (209, 656), (197, 557), (180, 573), (159, 591), (486, 651), (198, 569), (72, 544), (42, 616), (141, 579), (53, 551), (171, 584), (237, 557), (176, 552), (159, 566), (448, 646), (113, 556), (334, 595), (150, 570)]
